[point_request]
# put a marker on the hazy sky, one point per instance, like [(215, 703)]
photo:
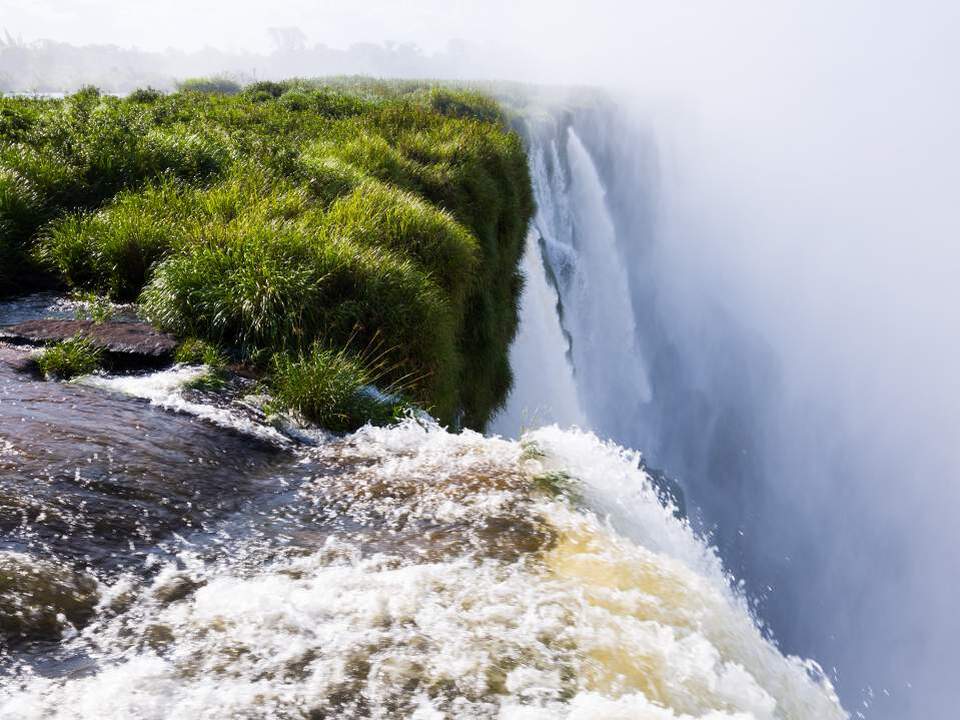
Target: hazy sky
[(685, 47), (190, 25)]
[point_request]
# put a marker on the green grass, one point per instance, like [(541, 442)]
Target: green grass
[(198, 352), (280, 288), (113, 251), (376, 214), (69, 358), (20, 214), (266, 219), (217, 84), (10, 260), (333, 389), (95, 307)]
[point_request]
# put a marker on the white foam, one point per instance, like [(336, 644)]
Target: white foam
[(164, 389), (598, 625), (7, 448)]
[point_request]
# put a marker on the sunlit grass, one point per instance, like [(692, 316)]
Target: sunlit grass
[(269, 218), (69, 358), (335, 388), (113, 251), (198, 352)]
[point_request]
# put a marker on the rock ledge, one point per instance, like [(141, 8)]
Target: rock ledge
[(118, 338)]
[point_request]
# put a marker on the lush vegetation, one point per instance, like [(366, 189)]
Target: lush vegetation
[(197, 352), (69, 358), (335, 388), (294, 224), (213, 84)]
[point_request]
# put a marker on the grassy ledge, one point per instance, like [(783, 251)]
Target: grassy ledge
[(296, 225)]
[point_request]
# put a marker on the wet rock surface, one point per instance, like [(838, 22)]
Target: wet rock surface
[(136, 339), (96, 479), (18, 358), (39, 598)]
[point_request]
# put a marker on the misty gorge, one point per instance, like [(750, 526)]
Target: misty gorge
[(565, 362)]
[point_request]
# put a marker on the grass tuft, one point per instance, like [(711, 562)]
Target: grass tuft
[(217, 84), (281, 288), (99, 309), (198, 352), (375, 214), (20, 213), (70, 358), (114, 250), (333, 389)]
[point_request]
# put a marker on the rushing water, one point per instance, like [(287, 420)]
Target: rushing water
[(577, 356), (164, 557), (812, 453)]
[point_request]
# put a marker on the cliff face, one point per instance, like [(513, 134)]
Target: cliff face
[(380, 224)]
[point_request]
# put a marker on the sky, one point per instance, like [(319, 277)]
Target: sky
[(558, 40), (191, 25), (682, 47)]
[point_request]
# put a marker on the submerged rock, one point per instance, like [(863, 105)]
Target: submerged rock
[(18, 358), (39, 599)]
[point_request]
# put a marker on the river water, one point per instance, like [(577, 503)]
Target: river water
[(166, 557)]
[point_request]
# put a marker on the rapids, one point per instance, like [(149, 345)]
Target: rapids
[(401, 572)]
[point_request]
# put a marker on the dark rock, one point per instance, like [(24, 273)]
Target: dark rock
[(668, 489), (175, 588), (18, 358), (117, 338), (39, 597)]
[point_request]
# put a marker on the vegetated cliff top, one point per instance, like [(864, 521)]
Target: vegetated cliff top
[(379, 223)]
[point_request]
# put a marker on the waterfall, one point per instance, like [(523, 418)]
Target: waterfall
[(576, 272), (601, 320), (540, 356), (738, 369), (696, 404), (416, 573)]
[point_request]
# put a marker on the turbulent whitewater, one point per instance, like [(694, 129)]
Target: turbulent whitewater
[(410, 572)]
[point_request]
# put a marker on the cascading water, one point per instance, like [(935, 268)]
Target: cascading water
[(539, 354), (152, 571), (409, 572), (680, 343), (580, 259), (597, 219), (400, 572), (600, 315)]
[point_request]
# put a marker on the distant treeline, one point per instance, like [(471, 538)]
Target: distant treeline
[(46, 66)]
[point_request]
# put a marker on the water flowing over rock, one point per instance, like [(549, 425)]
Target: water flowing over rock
[(176, 557), (411, 572)]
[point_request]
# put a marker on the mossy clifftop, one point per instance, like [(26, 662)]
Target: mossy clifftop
[(378, 219)]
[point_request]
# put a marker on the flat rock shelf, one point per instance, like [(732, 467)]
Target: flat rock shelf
[(133, 342)]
